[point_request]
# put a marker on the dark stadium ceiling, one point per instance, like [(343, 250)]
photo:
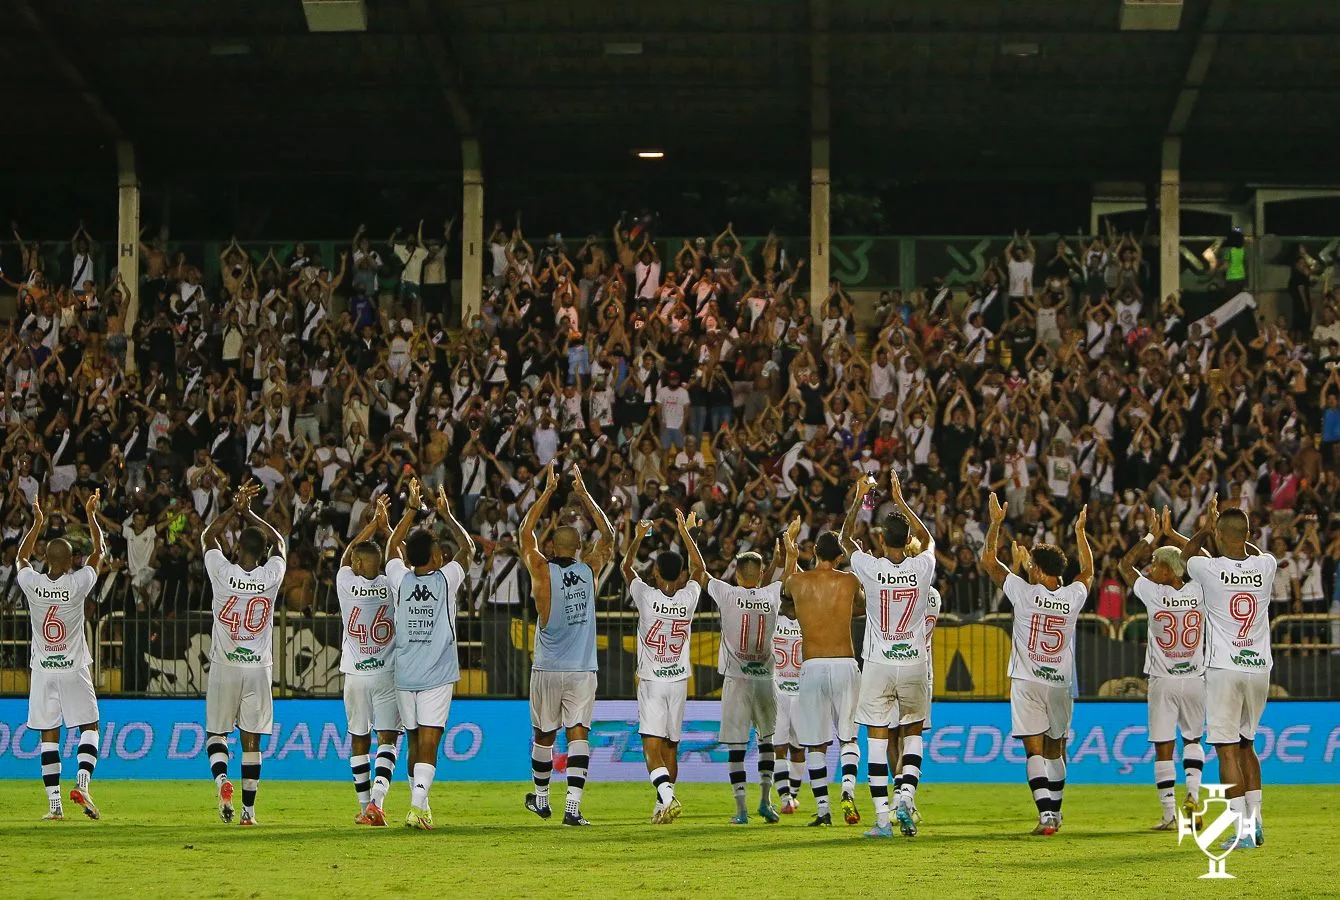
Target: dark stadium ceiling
[(927, 88)]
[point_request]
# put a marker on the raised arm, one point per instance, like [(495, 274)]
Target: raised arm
[(531, 556), (919, 530), (597, 555), (465, 545), (209, 538), (630, 556), (1085, 551), (697, 568), (271, 533), (1195, 546), (94, 530), (377, 523), (845, 537), (29, 543), (395, 544), (990, 559)]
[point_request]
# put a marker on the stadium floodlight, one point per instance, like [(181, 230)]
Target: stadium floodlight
[(651, 154), (1151, 15), (623, 48), (335, 15)]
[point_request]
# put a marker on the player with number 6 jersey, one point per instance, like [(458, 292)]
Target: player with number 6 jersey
[(238, 693), (367, 662)]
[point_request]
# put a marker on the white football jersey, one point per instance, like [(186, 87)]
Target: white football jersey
[(243, 607), (895, 605), (56, 610), (1043, 643), (368, 613), (663, 631), (1237, 605), (748, 617), (1176, 627), (933, 603), (787, 655)]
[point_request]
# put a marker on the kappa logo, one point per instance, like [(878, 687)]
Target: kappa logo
[(1207, 828), (571, 578), (421, 594)]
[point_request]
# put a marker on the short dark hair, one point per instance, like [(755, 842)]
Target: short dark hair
[(749, 561), (828, 547), (1236, 521), (252, 542), (668, 565), (368, 548), (419, 548), (1050, 559), (896, 530)]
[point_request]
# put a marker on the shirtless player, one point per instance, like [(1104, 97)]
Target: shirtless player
[(824, 601)]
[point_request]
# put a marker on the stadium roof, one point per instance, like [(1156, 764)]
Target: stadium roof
[(921, 88)]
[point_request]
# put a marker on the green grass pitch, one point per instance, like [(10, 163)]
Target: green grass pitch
[(163, 839)]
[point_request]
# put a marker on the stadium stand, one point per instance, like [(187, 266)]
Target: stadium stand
[(677, 374)]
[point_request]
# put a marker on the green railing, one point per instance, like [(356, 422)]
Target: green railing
[(862, 262)]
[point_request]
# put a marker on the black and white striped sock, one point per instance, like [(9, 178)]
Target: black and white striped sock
[(51, 773), (817, 763), (251, 776), (767, 760), (88, 757), (579, 760), (541, 771), (384, 773), (361, 768), (217, 748), (735, 762)]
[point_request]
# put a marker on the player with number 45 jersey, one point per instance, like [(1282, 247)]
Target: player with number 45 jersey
[(237, 694)]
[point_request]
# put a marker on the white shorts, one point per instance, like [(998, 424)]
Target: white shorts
[(370, 703), (427, 709), (660, 708), (1176, 702), (827, 700), (239, 697), (886, 690), (748, 703), (56, 697), (561, 699), (1037, 708), (1234, 701), (784, 735)]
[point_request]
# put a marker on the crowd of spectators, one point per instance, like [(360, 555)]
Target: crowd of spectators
[(695, 376)]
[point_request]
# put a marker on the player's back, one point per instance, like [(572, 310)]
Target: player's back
[(56, 611), (1237, 605), (787, 653), (825, 599), (895, 605), (243, 607), (1176, 644), (1043, 641), (425, 625), (566, 641), (663, 624), (368, 614), (748, 619)]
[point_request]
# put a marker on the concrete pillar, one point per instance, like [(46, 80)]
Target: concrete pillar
[(1170, 224), (819, 258), (472, 231), (128, 239)]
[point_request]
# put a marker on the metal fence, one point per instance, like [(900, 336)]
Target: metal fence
[(158, 645)]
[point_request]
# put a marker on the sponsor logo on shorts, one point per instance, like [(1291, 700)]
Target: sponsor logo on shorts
[(1249, 658), (1049, 673), (58, 661), (370, 664), (243, 655), (901, 652)]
